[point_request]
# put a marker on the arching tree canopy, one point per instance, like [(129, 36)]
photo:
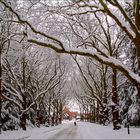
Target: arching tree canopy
[(99, 38)]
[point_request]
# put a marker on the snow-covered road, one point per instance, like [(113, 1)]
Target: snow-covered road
[(64, 131), (83, 130), (69, 132)]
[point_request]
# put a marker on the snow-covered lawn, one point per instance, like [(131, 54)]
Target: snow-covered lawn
[(67, 130), (31, 133), (95, 131)]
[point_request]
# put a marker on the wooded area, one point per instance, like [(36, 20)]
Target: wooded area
[(53, 51)]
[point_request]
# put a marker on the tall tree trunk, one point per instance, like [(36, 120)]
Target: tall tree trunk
[(61, 112), (136, 7), (23, 121), (37, 118), (87, 114), (0, 90), (97, 113), (115, 110), (136, 4), (53, 119), (57, 112), (137, 43), (24, 115), (49, 111), (105, 110), (90, 114), (94, 113)]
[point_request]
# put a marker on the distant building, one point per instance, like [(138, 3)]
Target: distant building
[(69, 115)]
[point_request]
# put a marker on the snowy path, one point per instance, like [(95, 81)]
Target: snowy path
[(69, 132), (83, 130)]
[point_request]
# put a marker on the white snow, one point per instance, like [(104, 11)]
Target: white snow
[(124, 23), (67, 130), (107, 60)]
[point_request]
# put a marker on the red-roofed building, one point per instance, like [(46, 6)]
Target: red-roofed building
[(69, 115)]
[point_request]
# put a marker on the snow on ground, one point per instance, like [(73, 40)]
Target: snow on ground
[(67, 130), (95, 131)]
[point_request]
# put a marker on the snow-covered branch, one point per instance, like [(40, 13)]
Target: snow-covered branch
[(110, 61), (12, 100), (23, 21), (12, 91)]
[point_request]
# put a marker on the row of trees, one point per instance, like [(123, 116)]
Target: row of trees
[(96, 98), (32, 84), (108, 96), (32, 88), (105, 34)]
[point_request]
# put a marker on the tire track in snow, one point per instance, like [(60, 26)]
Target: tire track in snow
[(43, 132), (66, 133)]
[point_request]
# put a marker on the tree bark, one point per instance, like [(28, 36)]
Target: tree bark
[(115, 110), (61, 111), (37, 118), (105, 110), (24, 115), (23, 121), (137, 43), (0, 91)]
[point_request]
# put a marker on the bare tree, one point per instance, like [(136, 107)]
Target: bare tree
[(98, 49)]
